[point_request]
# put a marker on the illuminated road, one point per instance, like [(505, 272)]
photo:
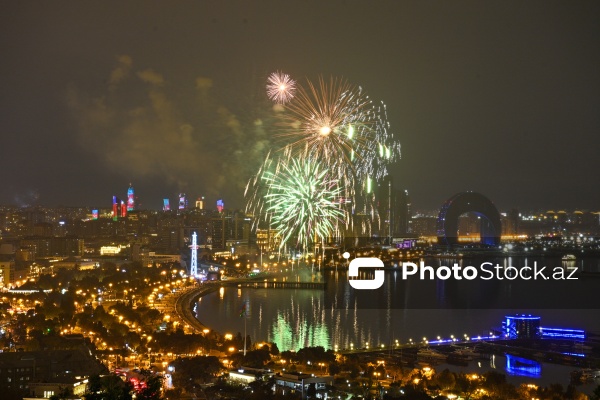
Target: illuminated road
[(183, 305), (184, 300)]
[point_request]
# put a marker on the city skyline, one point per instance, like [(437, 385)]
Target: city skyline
[(175, 174), (495, 98)]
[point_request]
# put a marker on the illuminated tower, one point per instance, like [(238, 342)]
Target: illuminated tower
[(200, 203), (182, 201), (220, 205), (115, 208), (130, 199), (194, 256), (123, 209)]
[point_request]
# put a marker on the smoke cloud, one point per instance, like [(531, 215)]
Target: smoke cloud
[(120, 72), (191, 142)]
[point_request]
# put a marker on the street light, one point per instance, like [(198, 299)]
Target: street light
[(377, 375)]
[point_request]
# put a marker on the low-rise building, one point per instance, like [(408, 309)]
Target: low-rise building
[(245, 375), (46, 370), (299, 383), (73, 387)]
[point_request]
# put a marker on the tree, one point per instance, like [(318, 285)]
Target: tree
[(195, 370), (257, 358), (288, 356), (495, 383), (334, 368), (596, 393), (152, 388), (445, 379), (465, 385), (315, 354), (109, 387), (262, 390), (274, 349)]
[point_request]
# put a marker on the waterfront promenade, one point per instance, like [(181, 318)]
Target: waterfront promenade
[(183, 306), (180, 303)]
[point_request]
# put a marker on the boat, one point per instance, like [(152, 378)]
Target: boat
[(431, 354), (465, 352), (447, 255), (585, 375), (569, 257)]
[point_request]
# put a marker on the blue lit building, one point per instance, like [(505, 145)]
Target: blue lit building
[(558, 333), (521, 326)]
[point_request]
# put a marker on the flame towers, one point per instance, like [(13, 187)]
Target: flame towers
[(130, 199)]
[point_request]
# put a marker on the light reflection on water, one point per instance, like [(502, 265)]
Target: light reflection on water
[(295, 318), (291, 326)]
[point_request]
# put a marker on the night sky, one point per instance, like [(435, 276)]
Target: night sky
[(498, 97)]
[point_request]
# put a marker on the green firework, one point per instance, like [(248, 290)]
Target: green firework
[(303, 201)]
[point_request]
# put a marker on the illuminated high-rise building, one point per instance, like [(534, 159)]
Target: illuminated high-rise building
[(393, 207), (404, 212), (130, 199), (182, 201), (115, 207), (220, 205), (123, 209), (200, 203), (166, 205)]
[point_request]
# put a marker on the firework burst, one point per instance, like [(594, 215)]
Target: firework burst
[(301, 199), (335, 145), (336, 123), (280, 87)]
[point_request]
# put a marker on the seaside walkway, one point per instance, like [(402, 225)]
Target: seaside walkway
[(184, 300)]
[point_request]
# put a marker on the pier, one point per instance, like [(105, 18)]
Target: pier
[(282, 285)]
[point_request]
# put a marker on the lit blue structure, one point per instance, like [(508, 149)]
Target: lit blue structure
[(520, 366), (194, 256), (528, 327), (559, 333), (521, 326)]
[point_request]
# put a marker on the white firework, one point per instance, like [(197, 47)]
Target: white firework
[(280, 87)]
